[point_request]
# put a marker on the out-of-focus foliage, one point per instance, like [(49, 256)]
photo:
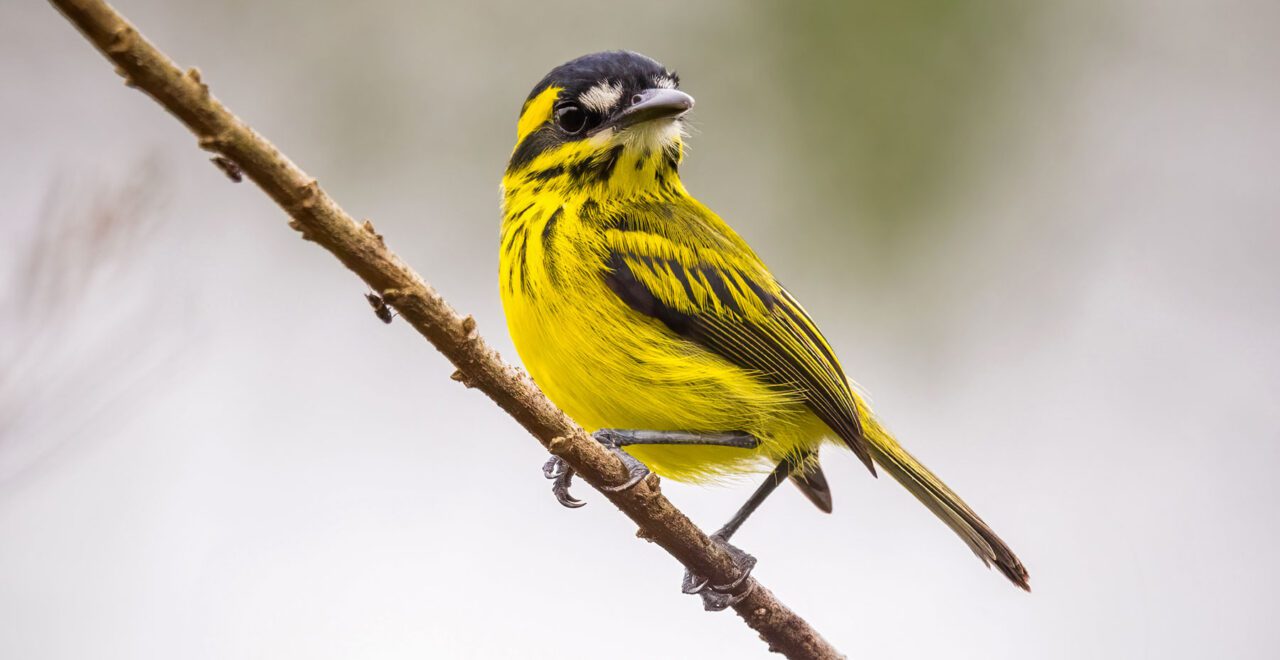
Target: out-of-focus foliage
[(80, 325), (885, 94)]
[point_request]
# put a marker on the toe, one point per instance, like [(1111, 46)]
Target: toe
[(714, 601), (554, 467), (717, 597), (638, 473), (562, 478), (692, 584)]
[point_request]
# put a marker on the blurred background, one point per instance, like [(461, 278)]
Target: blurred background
[(1043, 236)]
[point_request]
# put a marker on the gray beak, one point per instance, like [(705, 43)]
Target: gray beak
[(652, 104)]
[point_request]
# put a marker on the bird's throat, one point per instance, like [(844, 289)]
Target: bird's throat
[(641, 164)]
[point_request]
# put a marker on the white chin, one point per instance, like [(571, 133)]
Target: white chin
[(654, 134)]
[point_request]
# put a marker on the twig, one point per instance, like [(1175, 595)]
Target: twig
[(318, 218)]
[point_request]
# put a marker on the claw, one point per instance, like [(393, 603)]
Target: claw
[(736, 584), (635, 468), (608, 438), (716, 602), (717, 597), (561, 491), (693, 584), (557, 470)]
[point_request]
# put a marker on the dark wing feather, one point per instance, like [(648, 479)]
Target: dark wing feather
[(723, 299)]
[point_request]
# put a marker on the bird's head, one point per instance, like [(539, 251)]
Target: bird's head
[(610, 119)]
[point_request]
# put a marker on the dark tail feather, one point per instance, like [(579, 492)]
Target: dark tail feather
[(813, 483)]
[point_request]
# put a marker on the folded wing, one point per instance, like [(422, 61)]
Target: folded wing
[(707, 286)]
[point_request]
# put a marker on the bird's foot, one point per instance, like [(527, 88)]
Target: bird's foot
[(562, 475), (613, 441), (717, 597)]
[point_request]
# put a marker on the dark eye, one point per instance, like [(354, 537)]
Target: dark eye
[(571, 119)]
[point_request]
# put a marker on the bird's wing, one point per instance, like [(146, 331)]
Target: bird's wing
[(694, 274)]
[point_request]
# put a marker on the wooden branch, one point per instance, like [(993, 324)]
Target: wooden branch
[(240, 149)]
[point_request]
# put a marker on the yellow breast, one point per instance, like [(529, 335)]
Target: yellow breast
[(608, 366)]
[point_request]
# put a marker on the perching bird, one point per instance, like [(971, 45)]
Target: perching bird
[(641, 314)]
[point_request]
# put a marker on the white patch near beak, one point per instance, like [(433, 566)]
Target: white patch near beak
[(602, 98)]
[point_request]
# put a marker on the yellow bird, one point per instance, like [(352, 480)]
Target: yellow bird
[(648, 320)]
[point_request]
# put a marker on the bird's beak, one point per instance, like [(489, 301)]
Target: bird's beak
[(652, 104)]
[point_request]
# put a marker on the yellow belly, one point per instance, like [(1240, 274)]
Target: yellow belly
[(608, 366)]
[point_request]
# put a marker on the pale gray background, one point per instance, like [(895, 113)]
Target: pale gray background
[(1044, 238)]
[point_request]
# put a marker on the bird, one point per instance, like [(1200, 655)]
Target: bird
[(648, 320)]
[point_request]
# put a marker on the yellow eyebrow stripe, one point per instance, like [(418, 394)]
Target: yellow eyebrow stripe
[(536, 112)]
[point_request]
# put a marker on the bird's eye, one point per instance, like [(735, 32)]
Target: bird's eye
[(571, 119)]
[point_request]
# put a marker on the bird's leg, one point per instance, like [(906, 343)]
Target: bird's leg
[(779, 475), (716, 597), (615, 439)]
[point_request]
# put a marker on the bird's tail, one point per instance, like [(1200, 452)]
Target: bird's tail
[(948, 506)]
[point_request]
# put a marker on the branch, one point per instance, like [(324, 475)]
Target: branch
[(362, 250)]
